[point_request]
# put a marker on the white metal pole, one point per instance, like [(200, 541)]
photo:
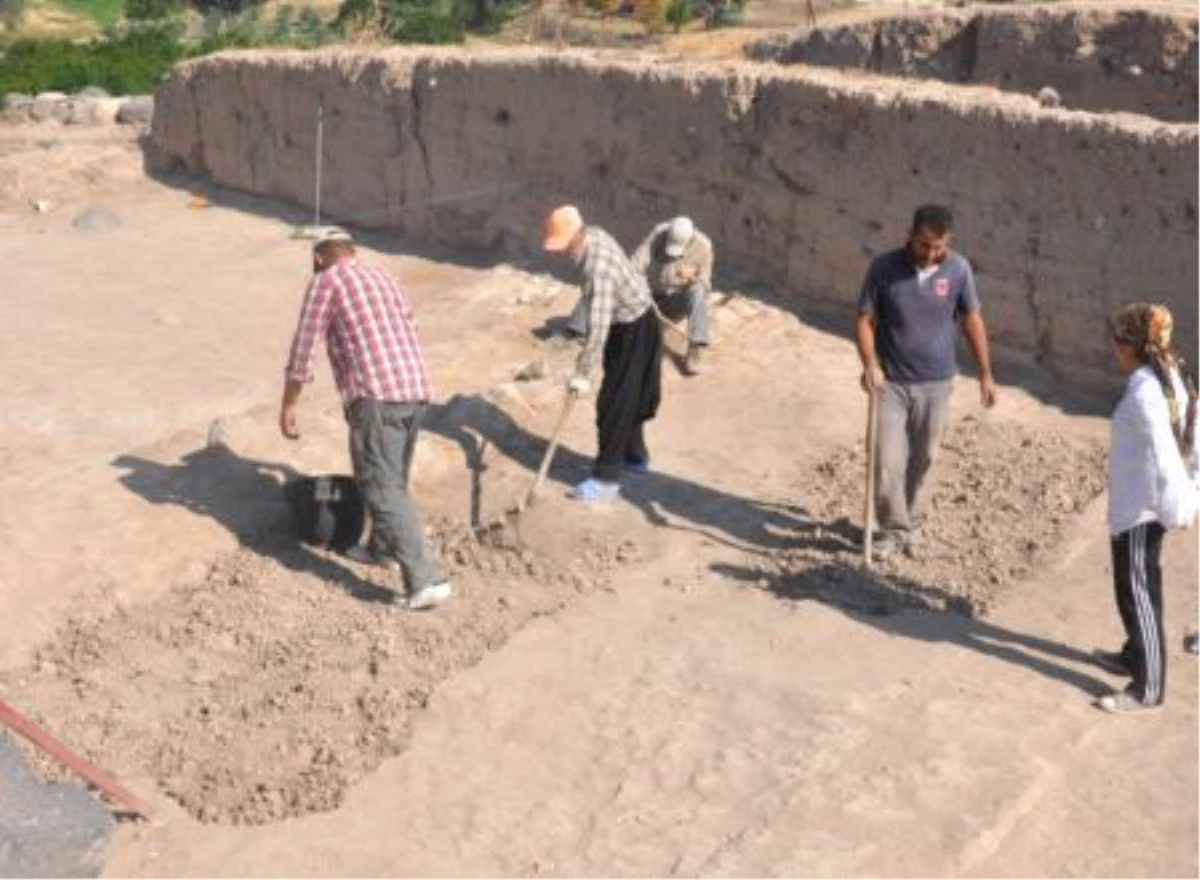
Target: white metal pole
[(320, 157)]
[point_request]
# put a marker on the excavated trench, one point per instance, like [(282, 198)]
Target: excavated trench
[(800, 175)]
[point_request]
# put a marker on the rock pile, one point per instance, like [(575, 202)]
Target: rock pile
[(92, 106)]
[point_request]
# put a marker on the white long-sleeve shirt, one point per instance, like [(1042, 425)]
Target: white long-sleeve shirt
[(1147, 478)]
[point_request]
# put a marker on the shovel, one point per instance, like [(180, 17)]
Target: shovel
[(514, 512)]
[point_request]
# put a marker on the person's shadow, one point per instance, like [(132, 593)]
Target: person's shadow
[(764, 526), (247, 498), (901, 606), (481, 429)]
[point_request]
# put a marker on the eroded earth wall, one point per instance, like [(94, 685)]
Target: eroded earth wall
[(1098, 59), (799, 175)]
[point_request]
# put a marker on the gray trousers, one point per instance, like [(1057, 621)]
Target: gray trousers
[(383, 437), (912, 419), (690, 302)]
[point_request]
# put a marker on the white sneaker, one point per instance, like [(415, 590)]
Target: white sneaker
[(427, 597), (1126, 703)]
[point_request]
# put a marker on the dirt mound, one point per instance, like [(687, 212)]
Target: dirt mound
[(262, 693), (1001, 500)]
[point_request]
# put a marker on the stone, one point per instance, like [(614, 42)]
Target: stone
[(57, 830), (138, 110), (96, 220), (49, 107), (532, 371), (217, 433), (81, 111), (104, 110), (16, 103), (92, 92), (506, 395), (1049, 97)]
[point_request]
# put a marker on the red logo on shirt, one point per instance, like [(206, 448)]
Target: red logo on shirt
[(943, 287)]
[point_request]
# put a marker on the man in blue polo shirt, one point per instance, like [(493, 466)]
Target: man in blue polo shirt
[(912, 301)]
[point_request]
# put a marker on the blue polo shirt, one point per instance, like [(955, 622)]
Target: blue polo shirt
[(916, 326)]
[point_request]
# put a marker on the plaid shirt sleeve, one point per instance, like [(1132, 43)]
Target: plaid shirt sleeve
[(601, 288), (311, 330)]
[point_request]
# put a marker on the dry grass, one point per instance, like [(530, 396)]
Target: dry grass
[(45, 20)]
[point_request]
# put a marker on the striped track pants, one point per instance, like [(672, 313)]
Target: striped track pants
[(1137, 580)]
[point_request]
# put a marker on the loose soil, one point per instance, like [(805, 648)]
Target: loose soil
[(989, 525), (254, 695)]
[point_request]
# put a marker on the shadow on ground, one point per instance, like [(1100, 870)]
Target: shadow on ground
[(895, 606), (764, 527), (481, 429), (246, 498)]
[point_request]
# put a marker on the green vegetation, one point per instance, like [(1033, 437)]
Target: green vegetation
[(144, 39), (423, 21), (728, 13), (153, 10), (133, 58), (679, 13), (105, 13), (132, 63)]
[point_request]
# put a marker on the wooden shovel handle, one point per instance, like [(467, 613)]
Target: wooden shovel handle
[(872, 451), (668, 324), (572, 396)]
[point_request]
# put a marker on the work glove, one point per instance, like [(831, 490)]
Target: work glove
[(578, 385)]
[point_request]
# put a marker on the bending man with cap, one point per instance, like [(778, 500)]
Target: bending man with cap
[(362, 317), (677, 260), (623, 331)]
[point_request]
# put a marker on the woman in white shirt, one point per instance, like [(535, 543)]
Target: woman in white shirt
[(1149, 491)]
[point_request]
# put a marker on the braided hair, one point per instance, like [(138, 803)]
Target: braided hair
[(1146, 329)]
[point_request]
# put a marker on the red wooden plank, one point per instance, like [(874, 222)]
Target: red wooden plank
[(41, 738)]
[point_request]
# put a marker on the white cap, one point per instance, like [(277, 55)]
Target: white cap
[(331, 233), (679, 236)]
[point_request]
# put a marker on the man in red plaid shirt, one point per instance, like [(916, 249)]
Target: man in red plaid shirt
[(362, 316)]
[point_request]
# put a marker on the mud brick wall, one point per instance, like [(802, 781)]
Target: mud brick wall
[(800, 175)]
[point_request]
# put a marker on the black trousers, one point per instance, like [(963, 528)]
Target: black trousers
[(1137, 580), (629, 393)]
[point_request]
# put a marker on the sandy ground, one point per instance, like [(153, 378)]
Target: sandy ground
[(696, 680)]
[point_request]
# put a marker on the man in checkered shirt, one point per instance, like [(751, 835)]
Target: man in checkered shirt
[(362, 316), (624, 335)]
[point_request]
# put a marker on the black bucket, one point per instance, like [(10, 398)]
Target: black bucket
[(328, 511)]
